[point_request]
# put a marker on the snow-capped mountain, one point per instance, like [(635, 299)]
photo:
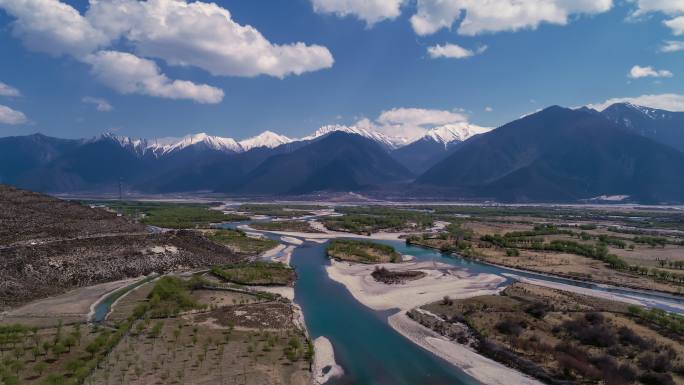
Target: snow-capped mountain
[(164, 146), (557, 154), (443, 135), (388, 142), (137, 146), (646, 112), (457, 132), (267, 139), (435, 145), (210, 142)]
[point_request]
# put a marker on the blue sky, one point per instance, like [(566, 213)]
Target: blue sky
[(354, 64)]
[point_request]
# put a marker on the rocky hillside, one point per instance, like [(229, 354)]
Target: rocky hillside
[(48, 246), (31, 217)]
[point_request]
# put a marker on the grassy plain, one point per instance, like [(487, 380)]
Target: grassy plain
[(361, 251), (256, 273), (171, 215), (240, 242)]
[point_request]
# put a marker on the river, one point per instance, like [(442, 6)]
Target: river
[(368, 349)]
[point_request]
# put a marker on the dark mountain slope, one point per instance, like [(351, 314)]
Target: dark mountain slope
[(94, 165), (337, 162), (19, 154), (422, 154), (204, 169), (662, 126), (561, 155)]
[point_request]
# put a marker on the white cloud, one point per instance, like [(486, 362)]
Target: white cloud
[(195, 34), (11, 117), (203, 35), (480, 16), (669, 102), (642, 72), (129, 74), (420, 116), (676, 25), (669, 7), (7, 90), (672, 46), (412, 123), (489, 109), (53, 27), (453, 51), (370, 11), (100, 104)]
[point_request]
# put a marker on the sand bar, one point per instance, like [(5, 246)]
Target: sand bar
[(440, 280), (324, 366)]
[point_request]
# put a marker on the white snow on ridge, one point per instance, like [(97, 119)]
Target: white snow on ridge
[(266, 139), (454, 132), (137, 146), (163, 146), (651, 113), (213, 142), (376, 136)]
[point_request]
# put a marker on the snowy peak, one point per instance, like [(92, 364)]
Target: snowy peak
[(165, 146), (160, 147), (136, 145), (384, 140), (456, 132), (211, 142), (267, 139), (645, 112)]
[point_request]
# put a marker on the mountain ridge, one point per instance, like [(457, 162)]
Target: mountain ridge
[(557, 154), (561, 154)]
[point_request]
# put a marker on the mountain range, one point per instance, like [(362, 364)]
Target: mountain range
[(557, 154)]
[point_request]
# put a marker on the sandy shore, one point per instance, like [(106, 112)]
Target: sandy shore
[(269, 254), (626, 298), (324, 366), (480, 368), (327, 234), (440, 280), (283, 291), (281, 253), (291, 240)]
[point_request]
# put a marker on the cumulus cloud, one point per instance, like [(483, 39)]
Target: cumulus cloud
[(203, 35), (481, 16), (642, 72), (7, 90), (676, 25), (100, 104), (181, 33), (53, 27), (453, 51), (672, 46), (670, 102), (669, 7), (11, 117), (370, 11), (409, 124), (129, 74), (489, 109), (420, 116)]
